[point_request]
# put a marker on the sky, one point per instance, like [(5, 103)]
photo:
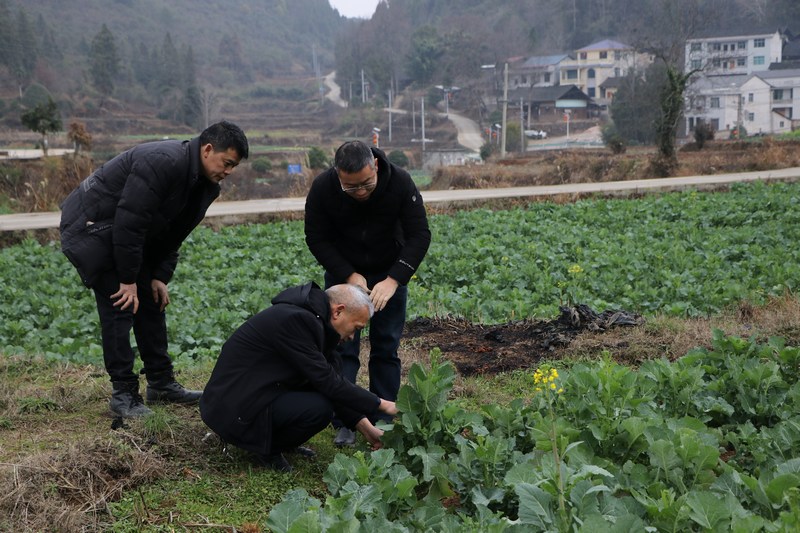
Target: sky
[(355, 8)]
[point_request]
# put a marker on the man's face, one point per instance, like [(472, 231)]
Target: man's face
[(360, 185), (217, 165), (347, 322)]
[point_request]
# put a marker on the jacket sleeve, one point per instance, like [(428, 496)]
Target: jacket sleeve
[(145, 188), (416, 232), (319, 230)]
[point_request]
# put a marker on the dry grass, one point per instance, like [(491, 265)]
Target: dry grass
[(584, 166)]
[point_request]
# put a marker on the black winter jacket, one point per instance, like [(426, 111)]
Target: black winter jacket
[(288, 346), (386, 233), (134, 211)]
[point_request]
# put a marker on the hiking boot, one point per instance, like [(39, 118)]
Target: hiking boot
[(275, 461), (170, 391), (345, 437), (126, 400)]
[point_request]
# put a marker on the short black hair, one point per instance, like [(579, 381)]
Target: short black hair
[(224, 135), (353, 156)]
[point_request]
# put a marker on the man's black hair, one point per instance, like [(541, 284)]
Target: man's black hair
[(353, 156), (224, 135)]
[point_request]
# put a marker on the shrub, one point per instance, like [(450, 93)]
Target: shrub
[(613, 139), (262, 165), (703, 132), (487, 150), (399, 158), (317, 158)]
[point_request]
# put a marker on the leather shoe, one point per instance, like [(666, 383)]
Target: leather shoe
[(172, 392), (345, 437), (275, 461), (303, 451)]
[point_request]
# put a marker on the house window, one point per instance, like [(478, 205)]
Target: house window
[(759, 43), (758, 60), (617, 55), (749, 97), (591, 74), (777, 94), (591, 92), (715, 102), (572, 74), (696, 64), (741, 61), (751, 117), (603, 55), (547, 77), (715, 124), (716, 47), (716, 62), (741, 45), (691, 123), (696, 47), (583, 55)]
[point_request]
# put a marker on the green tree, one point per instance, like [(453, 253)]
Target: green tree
[(317, 158), (426, 49), (671, 104), (103, 61), (43, 119)]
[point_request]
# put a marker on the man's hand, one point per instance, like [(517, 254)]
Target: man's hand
[(357, 279), (370, 432), (126, 296), (388, 407), (160, 293), (382, 292)]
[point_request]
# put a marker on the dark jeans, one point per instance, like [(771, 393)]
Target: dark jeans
[(296, 417), (149, 326), (385, 330)]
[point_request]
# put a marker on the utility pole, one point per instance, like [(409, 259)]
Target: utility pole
[(521, 126), (363, 90), (505, 112), (422, 113), (390, 116)]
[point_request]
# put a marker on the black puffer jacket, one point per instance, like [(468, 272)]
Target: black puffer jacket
[(288, 346), (386, 233), (134, 212)]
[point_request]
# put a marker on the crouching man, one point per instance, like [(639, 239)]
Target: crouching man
[(278, 378)]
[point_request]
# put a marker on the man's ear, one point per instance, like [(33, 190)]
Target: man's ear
[(337, 310)]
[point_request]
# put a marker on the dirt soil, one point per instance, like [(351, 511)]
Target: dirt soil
[(477, 349)]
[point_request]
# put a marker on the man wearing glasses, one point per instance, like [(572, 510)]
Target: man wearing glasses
[(365, 223)]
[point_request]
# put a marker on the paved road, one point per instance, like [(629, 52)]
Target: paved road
[(29, 221)]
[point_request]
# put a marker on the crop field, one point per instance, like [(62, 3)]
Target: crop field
[(708, 442), (683, 254)]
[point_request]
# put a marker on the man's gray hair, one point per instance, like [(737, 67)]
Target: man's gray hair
[(352, 296), (353, 156)]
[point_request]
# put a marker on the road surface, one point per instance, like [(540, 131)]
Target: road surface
[(30, 221)]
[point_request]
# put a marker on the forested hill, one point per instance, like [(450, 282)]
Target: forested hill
[(270, 37)]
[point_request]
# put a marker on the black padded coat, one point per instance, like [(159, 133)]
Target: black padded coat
[(288, 346), (134, 211)]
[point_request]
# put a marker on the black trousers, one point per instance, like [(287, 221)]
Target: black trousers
[(296, 416), (149, 326)]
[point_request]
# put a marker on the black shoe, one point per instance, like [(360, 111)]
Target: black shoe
[(126, 400), (345, 437), (171, 391), (275, 461), (302, 451)]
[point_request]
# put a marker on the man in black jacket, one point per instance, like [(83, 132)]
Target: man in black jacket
[(366, 225), (277, 381), (121, 228)]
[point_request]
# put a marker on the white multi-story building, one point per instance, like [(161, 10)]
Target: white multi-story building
[(536, 71), (733, 53), (771, 101), (715, 100)]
